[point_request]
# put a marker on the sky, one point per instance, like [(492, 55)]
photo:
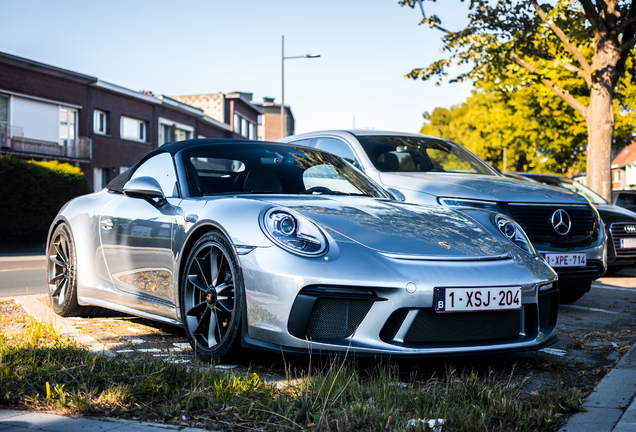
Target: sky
[(195, 47)]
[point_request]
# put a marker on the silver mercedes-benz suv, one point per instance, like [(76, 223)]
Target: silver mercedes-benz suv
[(562, 225)]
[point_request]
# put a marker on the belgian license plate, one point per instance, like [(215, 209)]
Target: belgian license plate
[(628, 243), (567, 259), (477, 299)]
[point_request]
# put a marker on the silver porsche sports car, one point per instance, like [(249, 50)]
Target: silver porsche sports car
[(281, 247)]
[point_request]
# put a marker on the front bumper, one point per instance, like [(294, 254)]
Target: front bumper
[(358, 301), (619, 253), (596, 261)]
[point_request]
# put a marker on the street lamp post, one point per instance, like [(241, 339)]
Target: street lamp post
[(283, 130)]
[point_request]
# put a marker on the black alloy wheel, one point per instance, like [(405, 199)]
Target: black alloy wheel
[(212, 298), (62, 273)]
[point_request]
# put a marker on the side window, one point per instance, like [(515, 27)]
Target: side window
[(160, 168), (337, 147), (626, 200)]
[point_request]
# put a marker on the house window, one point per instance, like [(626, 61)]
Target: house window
[(99, 178), (237, 124), (68, 126), (4, 110), (123, 169), (165, 134), (244, 127), (180, 134), (170, 130), (133, 129), (100, 122)]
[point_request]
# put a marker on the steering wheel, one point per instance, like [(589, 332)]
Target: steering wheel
[(321, 189)]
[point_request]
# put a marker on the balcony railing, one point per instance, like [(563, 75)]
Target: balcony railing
[(12, 137)]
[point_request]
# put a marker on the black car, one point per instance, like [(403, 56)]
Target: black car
[(619, 222)]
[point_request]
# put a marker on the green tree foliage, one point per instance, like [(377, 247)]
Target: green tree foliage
[(32, 193), (541, 133), (579, 51)]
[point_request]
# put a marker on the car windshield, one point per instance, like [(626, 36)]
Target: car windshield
[(583, 190), (270, 168), (395, 153)]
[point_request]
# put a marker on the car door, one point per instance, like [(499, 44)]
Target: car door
[(137, 236)]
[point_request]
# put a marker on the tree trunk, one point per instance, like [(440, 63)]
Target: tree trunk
[(600, 118), (600, 129)]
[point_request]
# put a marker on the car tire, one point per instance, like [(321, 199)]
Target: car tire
[(211, 298), (571, 292), (62, 273)]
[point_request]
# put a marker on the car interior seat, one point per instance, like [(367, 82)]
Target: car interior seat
[(261, 179), (194, 180), (388, 162)]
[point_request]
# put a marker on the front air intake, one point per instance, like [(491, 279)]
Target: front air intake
[(431, 327), (336, 318)]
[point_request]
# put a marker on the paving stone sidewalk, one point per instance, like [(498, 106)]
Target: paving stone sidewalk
[(611, 407), (17, 421)]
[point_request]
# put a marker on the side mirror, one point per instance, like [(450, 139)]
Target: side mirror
[(396, 194), (146, 188)]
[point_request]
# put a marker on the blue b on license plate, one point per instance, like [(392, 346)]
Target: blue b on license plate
[(477, 299)]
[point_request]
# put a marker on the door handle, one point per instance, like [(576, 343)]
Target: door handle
[(106, 224)]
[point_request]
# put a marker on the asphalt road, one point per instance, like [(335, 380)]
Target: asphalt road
[(22, 275)]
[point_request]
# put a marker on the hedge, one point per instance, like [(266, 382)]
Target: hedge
[(31, 194)]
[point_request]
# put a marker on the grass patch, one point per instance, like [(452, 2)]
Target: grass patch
[(41, 370)]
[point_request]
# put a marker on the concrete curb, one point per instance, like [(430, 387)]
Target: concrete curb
[(42, 312), (611, 406)]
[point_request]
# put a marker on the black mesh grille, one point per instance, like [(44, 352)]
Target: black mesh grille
[(336, 318), (535, 221), (430, 326), (618, 232)]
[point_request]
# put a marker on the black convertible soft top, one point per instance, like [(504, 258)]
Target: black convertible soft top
[(117, 184)]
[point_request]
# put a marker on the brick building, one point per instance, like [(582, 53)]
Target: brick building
[(49, 113), (44, 111), (270, 126), (235, 109)]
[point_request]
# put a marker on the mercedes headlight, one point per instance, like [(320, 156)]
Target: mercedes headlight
[(513, 232), (293, 232), (455, 202)]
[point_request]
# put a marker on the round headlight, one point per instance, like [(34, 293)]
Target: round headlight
[(506, 227), (286, 224), (293, 232), (513, 232)]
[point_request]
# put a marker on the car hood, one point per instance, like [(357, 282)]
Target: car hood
[(480, 187), (611, 213), (398, 228)]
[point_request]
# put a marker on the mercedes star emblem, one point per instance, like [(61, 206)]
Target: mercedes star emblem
[(561, 222)]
